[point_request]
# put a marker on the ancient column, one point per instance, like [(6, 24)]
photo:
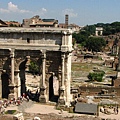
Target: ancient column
[(17, 89), (0, 86), (68, 78), (42, 97), (12, 66), (61, 100), (118, 69), (11, 86), (63, 70), (96, 33)]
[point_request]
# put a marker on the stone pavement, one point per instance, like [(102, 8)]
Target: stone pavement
[(32, 107)]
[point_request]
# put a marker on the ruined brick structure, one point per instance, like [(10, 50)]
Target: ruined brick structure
[(50, 48)]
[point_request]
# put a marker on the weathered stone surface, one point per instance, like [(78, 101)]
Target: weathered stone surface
[(45, 46)]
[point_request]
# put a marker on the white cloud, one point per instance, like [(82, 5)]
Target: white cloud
[(4, 10), (41, 12), (70, 12), (44, 10), (13, 8)]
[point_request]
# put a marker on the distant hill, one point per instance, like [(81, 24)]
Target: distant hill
[(108, 28)]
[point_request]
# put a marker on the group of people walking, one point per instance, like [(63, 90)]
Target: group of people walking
[(116, 110), (5, 102)]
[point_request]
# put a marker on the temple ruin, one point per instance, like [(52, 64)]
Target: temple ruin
[(50, 48)]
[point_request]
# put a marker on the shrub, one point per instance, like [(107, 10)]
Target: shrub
[(96, 76)]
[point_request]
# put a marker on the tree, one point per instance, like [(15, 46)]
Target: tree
[(33, 67), (81, 37), (95, 44)]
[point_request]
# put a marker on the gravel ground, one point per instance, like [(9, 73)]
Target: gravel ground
[(48, 112), (45, 112)]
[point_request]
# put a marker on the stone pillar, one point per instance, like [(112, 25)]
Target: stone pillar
[(63, 70), (17, 89), (12, 67), (68, 78), (101, 32), (96, 33), (118, 69), (61, 100), (11, 86), (64, 38), (0, 86), (42, 97)]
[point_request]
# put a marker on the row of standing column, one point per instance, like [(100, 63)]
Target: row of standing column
[(64, 88), (15, 80)]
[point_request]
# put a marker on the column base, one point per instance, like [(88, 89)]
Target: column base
[(11, 95), (42, 98), (61, 101)]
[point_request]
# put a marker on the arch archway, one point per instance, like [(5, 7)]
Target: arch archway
[(22, 68), (5, 85), (53, 89)]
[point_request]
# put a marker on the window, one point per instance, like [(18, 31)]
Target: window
[(28, 40)]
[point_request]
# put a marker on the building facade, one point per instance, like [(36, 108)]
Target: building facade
[(38, 22)]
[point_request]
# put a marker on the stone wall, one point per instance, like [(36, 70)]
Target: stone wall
[(95, 90)]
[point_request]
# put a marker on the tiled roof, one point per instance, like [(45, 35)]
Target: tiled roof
[(42, 23), (2, 23)]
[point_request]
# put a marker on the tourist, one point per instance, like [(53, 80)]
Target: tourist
[(117, 110), (2, 109), (27, 98)]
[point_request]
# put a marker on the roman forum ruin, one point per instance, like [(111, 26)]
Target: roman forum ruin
[(50, 48)]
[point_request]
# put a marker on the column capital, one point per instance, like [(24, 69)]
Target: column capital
[(12, 53), (63, 55), (44, 55)]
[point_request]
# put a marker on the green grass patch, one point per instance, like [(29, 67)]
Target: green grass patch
[(10, 111)]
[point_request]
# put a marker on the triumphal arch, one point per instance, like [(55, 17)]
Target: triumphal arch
[(50, 48)]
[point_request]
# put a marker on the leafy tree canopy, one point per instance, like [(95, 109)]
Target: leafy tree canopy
[(95, 44), (33, 67)]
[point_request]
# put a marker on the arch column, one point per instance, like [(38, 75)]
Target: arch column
[(12, 85), (12, 66), (42, 97), (17, 89), (68, 78), (61, 100), (0, 86)]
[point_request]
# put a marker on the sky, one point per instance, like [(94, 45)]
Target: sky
[(81, 12)]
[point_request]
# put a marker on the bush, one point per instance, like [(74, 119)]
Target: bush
[(96, 76)]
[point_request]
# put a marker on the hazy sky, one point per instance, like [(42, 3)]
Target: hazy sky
[(81, 12)]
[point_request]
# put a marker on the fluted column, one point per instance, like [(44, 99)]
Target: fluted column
[(63, 70), (68, 79), (17, 88), (43, 98), (0, 86), (118, 69), (11, 86), (12, 66), (61, 100), (43, 69)]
